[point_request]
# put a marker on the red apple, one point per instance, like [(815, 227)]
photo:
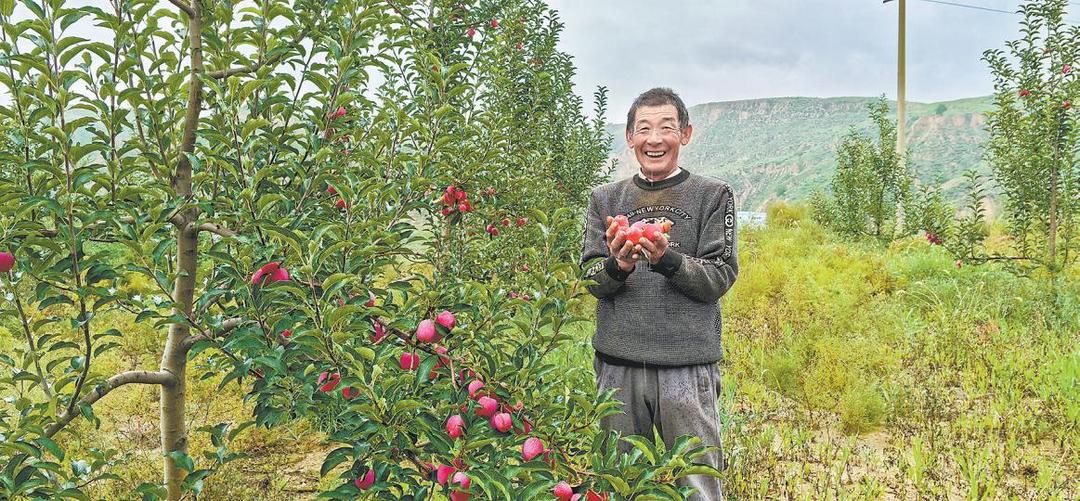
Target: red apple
[(446, 319), (502, 422), (531, 448), (328, 381), (470, 32), (521, 222), (409, 361), (455, 426), (426, 332), (350, 393), (443, 473), (380, 332), (494, 23), (7, 262), (563, 491), (271, 272), (474, 388), (488, 406), (365, 481)]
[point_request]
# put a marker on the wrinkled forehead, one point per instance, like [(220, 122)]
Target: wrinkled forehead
[(656, 114)]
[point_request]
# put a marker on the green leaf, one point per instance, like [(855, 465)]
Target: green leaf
[(182, 460), (642, 444)]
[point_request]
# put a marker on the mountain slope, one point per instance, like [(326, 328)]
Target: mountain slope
[(786, 147)]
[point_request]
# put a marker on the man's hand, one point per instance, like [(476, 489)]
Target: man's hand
[(625, 254), (654, 250)]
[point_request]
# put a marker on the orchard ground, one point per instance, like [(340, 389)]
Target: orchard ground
[(851, 371)]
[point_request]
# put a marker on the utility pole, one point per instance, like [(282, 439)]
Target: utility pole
[(901, 104)]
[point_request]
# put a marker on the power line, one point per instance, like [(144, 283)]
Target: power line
[(988, 9), (977, 7)]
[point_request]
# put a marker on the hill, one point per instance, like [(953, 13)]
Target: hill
[(785, 147)]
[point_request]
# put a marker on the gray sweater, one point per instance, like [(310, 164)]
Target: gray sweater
[(667, 314)]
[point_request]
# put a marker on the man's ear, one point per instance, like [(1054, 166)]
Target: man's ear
[(629, 140), (686, 133)]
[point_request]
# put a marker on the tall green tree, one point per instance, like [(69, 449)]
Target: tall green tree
[(1034, 146)]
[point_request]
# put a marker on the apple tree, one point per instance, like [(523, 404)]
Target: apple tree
[(317, 191)]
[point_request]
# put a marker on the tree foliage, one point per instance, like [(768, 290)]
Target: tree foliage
[(871, 184), (1034, 145), (201, 146)]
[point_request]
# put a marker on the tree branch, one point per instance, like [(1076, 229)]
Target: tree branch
[(226, 327), (124, 378), (219, 230), (184, 7)]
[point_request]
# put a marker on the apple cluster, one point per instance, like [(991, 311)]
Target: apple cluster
[(493, 230), (640, 230), (455, 199)]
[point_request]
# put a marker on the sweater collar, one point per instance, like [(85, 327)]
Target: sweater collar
[(668, 182)]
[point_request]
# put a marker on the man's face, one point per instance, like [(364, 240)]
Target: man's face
[(655, 138)]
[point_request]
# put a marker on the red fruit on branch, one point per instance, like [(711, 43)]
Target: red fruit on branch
[(494, 23), (1025, 93), (1066, 69), (521, 222), (446, 319), (1066, 104), (470, 32), (562, 491), (340, 112), (519, 46), (365, 481), (502, 422), (350, 393), (331, 190), (271, 272), (491, 191), (531, 448), (592, 495), (461, 479), (446, 211), (461, 195), (443, 473), (380, 332), (487, 406), (464, 207), (474, 388), (409, 361), (426, 333), (286, 333), (505, 221), (327, 381), (443, 361), (7, 262), (455, 426)]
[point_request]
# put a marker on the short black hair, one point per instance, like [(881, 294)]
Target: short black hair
[(658, 96)]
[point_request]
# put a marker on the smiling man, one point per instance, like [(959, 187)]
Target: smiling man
[(658, 322)]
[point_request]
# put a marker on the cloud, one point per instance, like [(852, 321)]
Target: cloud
[(713, 50)]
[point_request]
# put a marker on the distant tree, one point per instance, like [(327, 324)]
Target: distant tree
[(870, 185), (941, 109)]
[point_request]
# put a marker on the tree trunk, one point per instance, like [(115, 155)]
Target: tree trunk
[(174, 357)]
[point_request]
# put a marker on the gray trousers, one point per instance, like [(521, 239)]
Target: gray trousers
[(677, 401)]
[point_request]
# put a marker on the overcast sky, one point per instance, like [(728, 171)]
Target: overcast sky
[(722, 50)]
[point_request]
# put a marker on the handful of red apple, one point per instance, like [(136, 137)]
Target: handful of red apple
[(634, 233)]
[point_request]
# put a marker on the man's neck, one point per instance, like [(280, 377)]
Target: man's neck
[(674, 172)]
